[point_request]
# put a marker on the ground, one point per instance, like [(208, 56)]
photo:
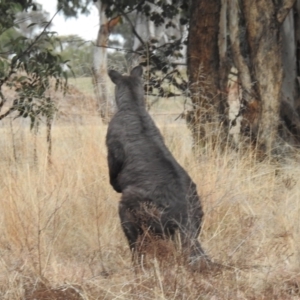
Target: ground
[(60, 236)]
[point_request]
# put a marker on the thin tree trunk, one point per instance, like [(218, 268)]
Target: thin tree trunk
[(106, 105), (297, 36), (223, 47), (142, 35), (224, 64), (247, 96), (289, 59), (49, 139), (238, 59)]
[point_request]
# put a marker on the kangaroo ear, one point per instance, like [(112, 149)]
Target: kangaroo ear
[(114, 76), (137, 71)]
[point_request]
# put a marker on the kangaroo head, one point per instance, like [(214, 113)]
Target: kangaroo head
[(129, 89), (116, 77)]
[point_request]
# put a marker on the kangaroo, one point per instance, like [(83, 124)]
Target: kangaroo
[(157, 193)]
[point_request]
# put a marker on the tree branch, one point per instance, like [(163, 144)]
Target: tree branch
[(12, 69), (12, 66), (284, 10), (132, 26), (118, 49), (39, 36)]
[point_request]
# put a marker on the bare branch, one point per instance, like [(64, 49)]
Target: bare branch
[(284, 10), (118, 49), (132, 26)]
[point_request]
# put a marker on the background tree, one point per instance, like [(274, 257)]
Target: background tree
[(154, 53), (158, 41), (28, 65), (72, 9), (78, 52), (203, 68), (31, 22), (258, 38), (222, 35)]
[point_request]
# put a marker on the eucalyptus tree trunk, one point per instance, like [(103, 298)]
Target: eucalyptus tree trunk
[(264, 31), (263, 46), (203, 70), (267, 72), (106, 105), (289, 108)]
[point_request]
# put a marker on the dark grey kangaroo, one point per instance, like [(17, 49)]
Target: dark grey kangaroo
[(157, 193)]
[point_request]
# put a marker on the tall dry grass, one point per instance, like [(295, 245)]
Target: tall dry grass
[(60, 236)]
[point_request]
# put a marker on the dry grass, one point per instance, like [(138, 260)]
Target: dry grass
[(60, 236), (84, 84)]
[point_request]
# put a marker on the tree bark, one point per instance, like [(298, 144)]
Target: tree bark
[(264, 40), (266, 66), (284, 10), (223, 47), (238, 59), (203, 67), (297, 36), (289, 59), (289, 112), (106, 105)]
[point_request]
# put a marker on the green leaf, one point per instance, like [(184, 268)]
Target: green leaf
[(32, 24)]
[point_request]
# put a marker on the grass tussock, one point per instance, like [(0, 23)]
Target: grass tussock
[(60, 236)]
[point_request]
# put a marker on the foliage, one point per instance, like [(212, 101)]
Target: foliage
[(25, 21), (8, 11), (5, 38), (71, 8), (28, 65), (78, 52), (162, 58), (167, 10)]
